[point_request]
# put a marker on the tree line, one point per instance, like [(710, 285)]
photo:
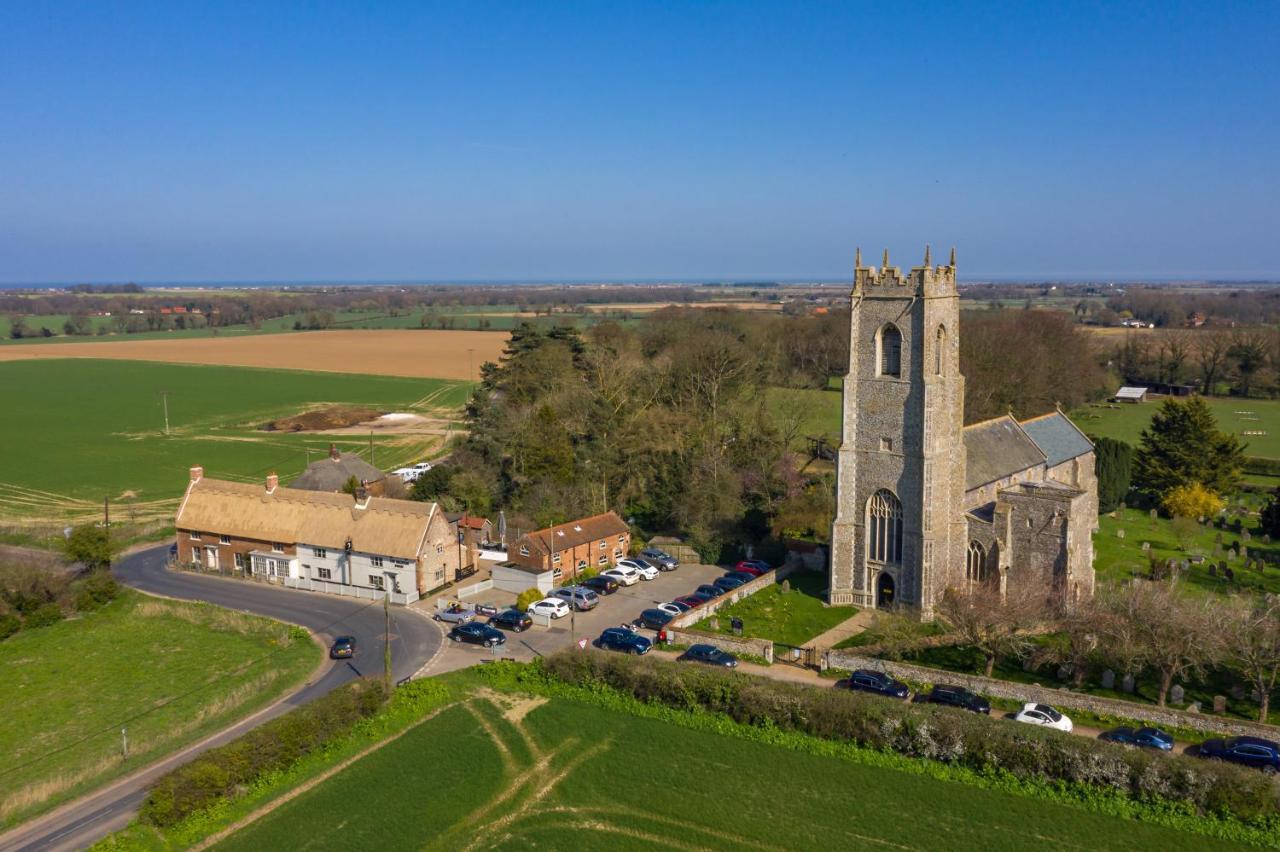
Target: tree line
[(1242, 362)]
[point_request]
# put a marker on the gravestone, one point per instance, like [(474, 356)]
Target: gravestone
[(1126, 685), (713, 623), (1266, 538), (1231, 575), (1120, 533), (1219, 704), (1193, 707), (1213, 570), (1108, 679), (1146, 546), (1245, 535), (1153, 514), (1177, 694), (1217, 539), (1237, 692)]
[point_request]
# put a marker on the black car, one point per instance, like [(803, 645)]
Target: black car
[(958, 696), (513, 620), (866, 680), (600, 585), (1141, 737), (727, 583), (744, 576), (710, 655), (708, 592), (1246, 751), (622, 639), (343, 648), (655, 619), (477, 634)]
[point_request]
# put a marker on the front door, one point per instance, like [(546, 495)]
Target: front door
[(211, 558), (884, 591)]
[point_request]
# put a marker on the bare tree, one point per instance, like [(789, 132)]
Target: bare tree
[(1077, 639), (1211, 356), (1254, 625), (996, 628)]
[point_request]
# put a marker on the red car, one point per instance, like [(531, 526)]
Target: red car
[(689, 601), (754, 567)]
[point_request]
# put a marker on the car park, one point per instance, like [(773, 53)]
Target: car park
[(343, 648), (475, 633), (708, 591), (660, 558), (1140, 737), (1246, 751), (644, 569), (577, 597), (728, 583), (753, 566), (455, 614), (600, 584), (742, 575), (622, 639), (625, 575), (877, 683), (710, 655), (958, 696), (655, 619), (513, 620), (690, 601), (1044, 716), (674, 607), (550, 607)]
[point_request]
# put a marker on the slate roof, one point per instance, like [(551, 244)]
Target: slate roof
[(995, 449), (1057, 437), (554, 539), (385, 527), (330, 474), (1128, 392)]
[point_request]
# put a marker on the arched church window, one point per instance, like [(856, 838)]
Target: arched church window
[(975, 566), (890, 355), (939, 352), (884, 528)]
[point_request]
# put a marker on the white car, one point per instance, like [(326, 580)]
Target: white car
[(671, 609), (1043, 715), (626, 575), (644, 569), (550, 607), (412, 472)]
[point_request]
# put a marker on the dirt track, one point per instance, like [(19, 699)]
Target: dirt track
[(392, 352)]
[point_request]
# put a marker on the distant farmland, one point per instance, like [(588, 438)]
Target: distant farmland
[(78, 431)]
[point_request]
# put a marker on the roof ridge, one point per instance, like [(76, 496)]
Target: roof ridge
[(990, 420)]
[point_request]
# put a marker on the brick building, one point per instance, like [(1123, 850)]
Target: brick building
[(596, 542)]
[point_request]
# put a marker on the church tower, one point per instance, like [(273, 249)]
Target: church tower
[(900, 531)]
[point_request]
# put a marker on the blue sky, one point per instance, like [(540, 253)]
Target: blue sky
[(384, 141)]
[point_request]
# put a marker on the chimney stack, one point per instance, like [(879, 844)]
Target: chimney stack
[(273, 482), (333, 452), (197, 473), (362, 497)]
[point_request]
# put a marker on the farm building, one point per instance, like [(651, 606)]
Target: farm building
[(598, 541), (356, 545), (333, 472), (1131, 394)]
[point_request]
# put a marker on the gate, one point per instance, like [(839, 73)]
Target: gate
[(795, 655)]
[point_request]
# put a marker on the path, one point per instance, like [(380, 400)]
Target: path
[(414, 641), (842, 631)]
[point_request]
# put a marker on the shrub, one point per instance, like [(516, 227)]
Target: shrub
[(271, 747), (96, 590), (528, 598), (9, 625), (1192, 500), (43, 616), (927, 731)]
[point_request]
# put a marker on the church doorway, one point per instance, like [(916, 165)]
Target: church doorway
[(884, 591)]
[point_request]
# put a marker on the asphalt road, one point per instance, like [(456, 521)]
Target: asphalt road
[(414, 641)]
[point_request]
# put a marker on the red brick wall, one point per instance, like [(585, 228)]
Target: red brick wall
[(226, 552)]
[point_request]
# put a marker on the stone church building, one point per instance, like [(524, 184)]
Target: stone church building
[(925, 503)]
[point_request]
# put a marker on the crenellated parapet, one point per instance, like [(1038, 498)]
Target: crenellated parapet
[(923, 280)]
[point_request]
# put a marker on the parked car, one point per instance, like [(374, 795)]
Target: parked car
[(1141, 737), (577, 597), (455, 614), (709, 655), (343, 648), (752, 566), (661, 558), (622, 639), (644, 569), (600, 584), (655, 619), (513, 620), (958, 696), (476, 633), (744, 576), (879, 683), (550, 607), (690, 600), (708, 591), (674, 607), (1044, 716), (728, 583), (486, 609), (1246, 751), (625, 575)]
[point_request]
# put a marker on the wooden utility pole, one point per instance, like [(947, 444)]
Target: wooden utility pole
[(106, 511), (371, 456), (386, 642)]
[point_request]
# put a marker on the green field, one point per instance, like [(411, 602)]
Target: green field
[(565, 775), (792, 618), (169, 671), (78, 431), (1126, 421), (816, 411)]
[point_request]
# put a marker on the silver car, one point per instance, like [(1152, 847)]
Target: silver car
[(578, 597), (456, 614)]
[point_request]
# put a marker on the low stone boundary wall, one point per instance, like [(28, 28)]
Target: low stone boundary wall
[(732, 644), (1062, 698), (711, 607), (474, 589)]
